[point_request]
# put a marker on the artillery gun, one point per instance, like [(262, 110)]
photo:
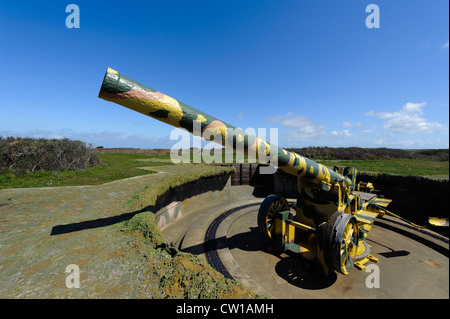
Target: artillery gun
[(333, 214)]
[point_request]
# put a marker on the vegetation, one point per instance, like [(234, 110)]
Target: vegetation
[(114, 166), (21, 155), (383, 160), (357, 153), (394, 166), (106, 165), (176, 274)]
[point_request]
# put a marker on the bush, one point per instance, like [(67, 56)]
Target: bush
[(22, 155)]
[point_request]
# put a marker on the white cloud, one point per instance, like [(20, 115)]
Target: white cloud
[(409, 119), (342, 134), (349, 124), (445, 45), (307, 132), (404, 143), (240, 116), (368, 131), (291, 120), (303, 127)]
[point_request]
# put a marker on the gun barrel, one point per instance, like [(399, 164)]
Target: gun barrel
[(133, 95)]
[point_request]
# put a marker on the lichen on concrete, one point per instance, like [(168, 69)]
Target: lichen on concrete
[(177, 274)]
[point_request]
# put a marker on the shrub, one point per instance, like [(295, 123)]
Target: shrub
[(22, 155)]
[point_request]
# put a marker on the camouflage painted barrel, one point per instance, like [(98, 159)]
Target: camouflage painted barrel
[(131, 94)]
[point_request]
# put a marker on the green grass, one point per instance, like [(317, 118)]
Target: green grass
[(117, 166), (394, 166), (114, 166)]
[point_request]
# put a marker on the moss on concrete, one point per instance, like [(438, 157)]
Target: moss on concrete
[(177, 274), (145, 224), (180, 174)]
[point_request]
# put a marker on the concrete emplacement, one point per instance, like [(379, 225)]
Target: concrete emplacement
[(412, 263)]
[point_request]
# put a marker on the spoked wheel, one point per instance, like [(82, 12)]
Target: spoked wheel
[(267, 211), (267, 216), (341, 241)]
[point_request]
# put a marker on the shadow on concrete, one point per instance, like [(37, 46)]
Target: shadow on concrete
[(405, 231), (392, 252), (95, 223), (294, 269), (303, 273), (261, 191), (253, 240)]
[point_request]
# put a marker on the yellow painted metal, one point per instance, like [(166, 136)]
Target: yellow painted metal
[(277, 206), (289, 232), (406, 221), (366, 216), (349, 231), (365, 187), (438, 221), (361, 248), (361, 263), (300, 225)]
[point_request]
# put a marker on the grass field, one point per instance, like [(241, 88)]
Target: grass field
[(114, 166), (117, 166), (395, 166)]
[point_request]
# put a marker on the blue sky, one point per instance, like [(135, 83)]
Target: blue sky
[(312, 69)]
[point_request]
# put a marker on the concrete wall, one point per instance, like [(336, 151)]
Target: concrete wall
[(244, 173), (412, 197), (191, 196)]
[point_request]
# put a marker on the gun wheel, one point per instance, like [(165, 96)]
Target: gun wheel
[(267, 213), (342, 239)]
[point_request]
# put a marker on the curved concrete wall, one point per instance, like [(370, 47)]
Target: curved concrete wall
[(191, 196), (412, 197)]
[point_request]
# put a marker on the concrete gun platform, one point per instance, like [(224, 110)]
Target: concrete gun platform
[(412, 263)]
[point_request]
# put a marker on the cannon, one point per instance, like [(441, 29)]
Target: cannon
[(333, 214)]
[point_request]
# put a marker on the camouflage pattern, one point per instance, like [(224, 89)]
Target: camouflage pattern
[(131, 94)]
